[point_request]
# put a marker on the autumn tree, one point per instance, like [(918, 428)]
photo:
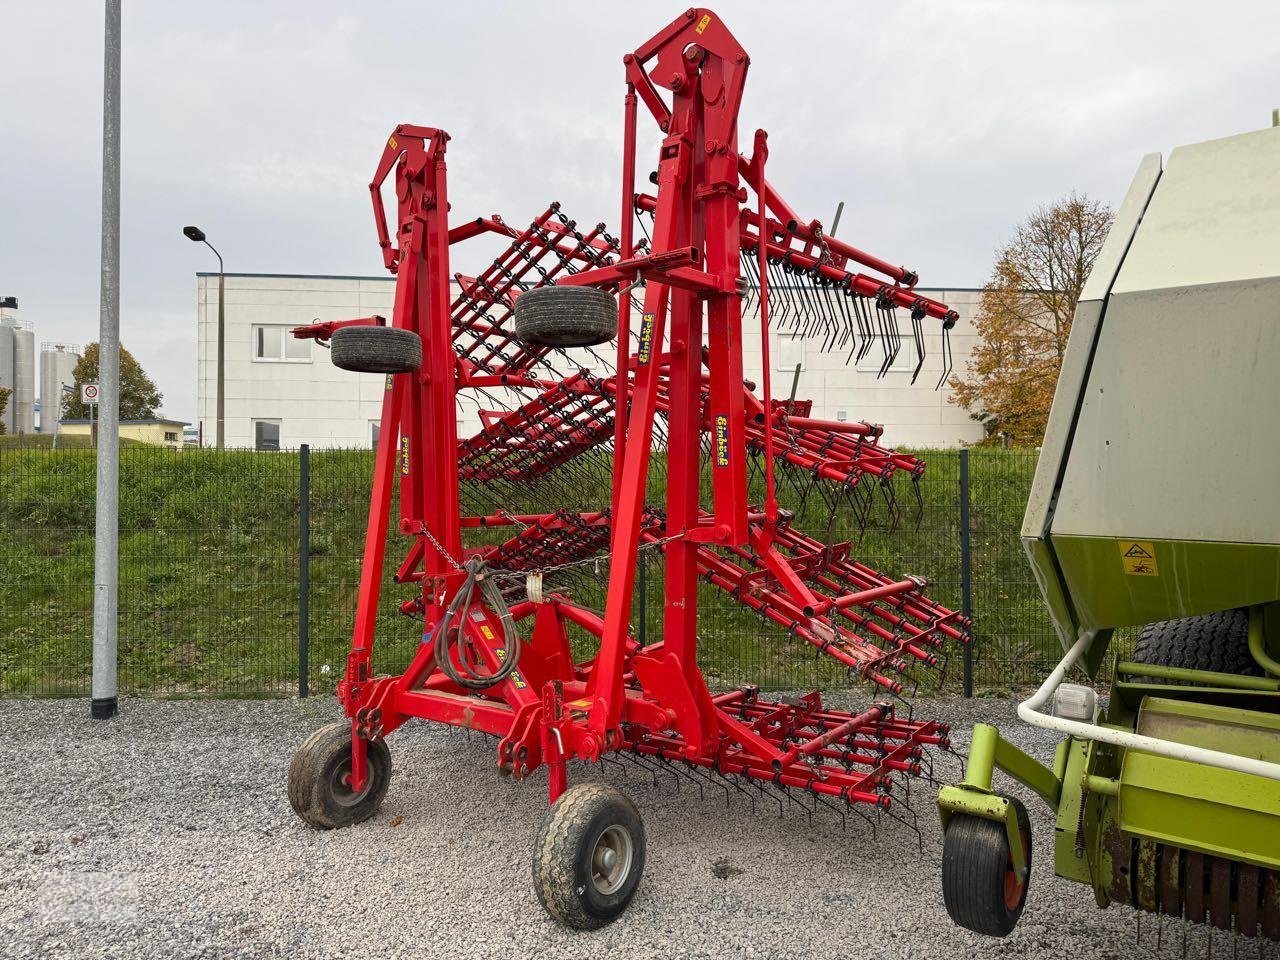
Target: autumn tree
[(1025, 316), (138, 394)]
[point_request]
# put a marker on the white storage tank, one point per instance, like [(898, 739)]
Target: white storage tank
[(23, 400), (57, 369), (8, 326)]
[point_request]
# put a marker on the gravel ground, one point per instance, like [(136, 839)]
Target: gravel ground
[(166, 833)]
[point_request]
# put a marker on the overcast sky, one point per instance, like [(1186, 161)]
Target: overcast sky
[(941, 125)]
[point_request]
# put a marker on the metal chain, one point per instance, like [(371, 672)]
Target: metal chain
[(440, 547)]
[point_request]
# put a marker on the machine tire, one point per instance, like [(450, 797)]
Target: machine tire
[(978, 887), (566, 317), (376, 349), (316, 789), (574, 881), (1212, 641)]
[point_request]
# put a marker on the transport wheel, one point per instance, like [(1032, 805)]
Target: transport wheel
[(376, 349), (320, 774), (589, 856), (979, 886), (1213, 641), (566, 316)]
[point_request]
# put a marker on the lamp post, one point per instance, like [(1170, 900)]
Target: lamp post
[(196, 235)]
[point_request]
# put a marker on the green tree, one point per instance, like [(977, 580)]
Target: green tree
[(4, 405), (139, 397), (1025, 317)]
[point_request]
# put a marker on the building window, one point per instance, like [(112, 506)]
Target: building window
[(171, 436), (266, 434), (277, 344), (375, 431)]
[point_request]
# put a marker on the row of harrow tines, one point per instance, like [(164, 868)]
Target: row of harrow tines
[(885, 631), (813, 294), (826, 754), (560, 436)]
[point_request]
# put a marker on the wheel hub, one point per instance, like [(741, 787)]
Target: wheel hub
[(611, 859)]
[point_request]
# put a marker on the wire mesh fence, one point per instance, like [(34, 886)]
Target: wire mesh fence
[(210, 574)]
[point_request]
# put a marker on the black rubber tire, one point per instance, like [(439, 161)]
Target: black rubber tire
[(566, 317), (564, 875), (316, 791), (975, 863), (376, 349), (1212, 641)]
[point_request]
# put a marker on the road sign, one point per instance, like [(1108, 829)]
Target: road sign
[(89, 393)]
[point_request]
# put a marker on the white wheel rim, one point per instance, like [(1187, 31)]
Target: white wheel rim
[(611, 860)]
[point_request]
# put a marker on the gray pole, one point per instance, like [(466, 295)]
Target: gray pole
[(304, 568), (222, 343), (106, 570), (966, 567)]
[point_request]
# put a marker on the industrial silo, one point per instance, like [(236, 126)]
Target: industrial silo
[(6, 370), (23, 400), (17, 368), (57, 369)]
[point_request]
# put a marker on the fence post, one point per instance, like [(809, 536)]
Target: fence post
[(304, 565), (644, 600), (966, 568)]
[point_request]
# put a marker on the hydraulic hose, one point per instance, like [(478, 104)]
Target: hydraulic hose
[(464, 672)]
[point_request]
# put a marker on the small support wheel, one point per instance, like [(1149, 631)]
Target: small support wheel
[(320, 779), (979, 885), (566, 317), (376, 349), (589, 856)]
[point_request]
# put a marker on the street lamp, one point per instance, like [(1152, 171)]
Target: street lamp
[(196, 235)]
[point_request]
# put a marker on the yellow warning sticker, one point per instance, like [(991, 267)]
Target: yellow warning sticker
[(392, 143), (1138, 557), (486, 632), (645, 353), (703, 24)]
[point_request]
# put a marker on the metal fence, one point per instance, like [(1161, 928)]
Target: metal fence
[(212, 578)]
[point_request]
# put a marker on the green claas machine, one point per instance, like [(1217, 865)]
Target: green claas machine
[(1156, 504)]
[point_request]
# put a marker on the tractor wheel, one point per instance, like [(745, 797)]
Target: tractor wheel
[(979, 886), (566, 317), (1213, 641), (319, 779), (376, 349), (589, 856)]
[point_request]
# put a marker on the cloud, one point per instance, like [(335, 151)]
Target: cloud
[(941, 125)]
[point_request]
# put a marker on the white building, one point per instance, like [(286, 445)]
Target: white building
[(282, 392)]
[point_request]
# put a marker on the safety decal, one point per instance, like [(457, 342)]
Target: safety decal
[(1138, 558), (703, 24), (646, 339), (722, 440), (393, 143), (388, 381), (516, 679)]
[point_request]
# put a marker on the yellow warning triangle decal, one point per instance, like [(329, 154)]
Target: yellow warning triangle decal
[(1136, 551)]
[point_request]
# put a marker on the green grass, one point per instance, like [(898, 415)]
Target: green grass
[(209, 573), (44, 441)]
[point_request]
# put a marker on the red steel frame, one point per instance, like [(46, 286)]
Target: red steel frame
[(653, 700)]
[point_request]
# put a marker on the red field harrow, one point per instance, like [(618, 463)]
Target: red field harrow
[(503, 527)]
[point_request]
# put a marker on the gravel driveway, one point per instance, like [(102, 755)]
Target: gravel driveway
[(166, 833)]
